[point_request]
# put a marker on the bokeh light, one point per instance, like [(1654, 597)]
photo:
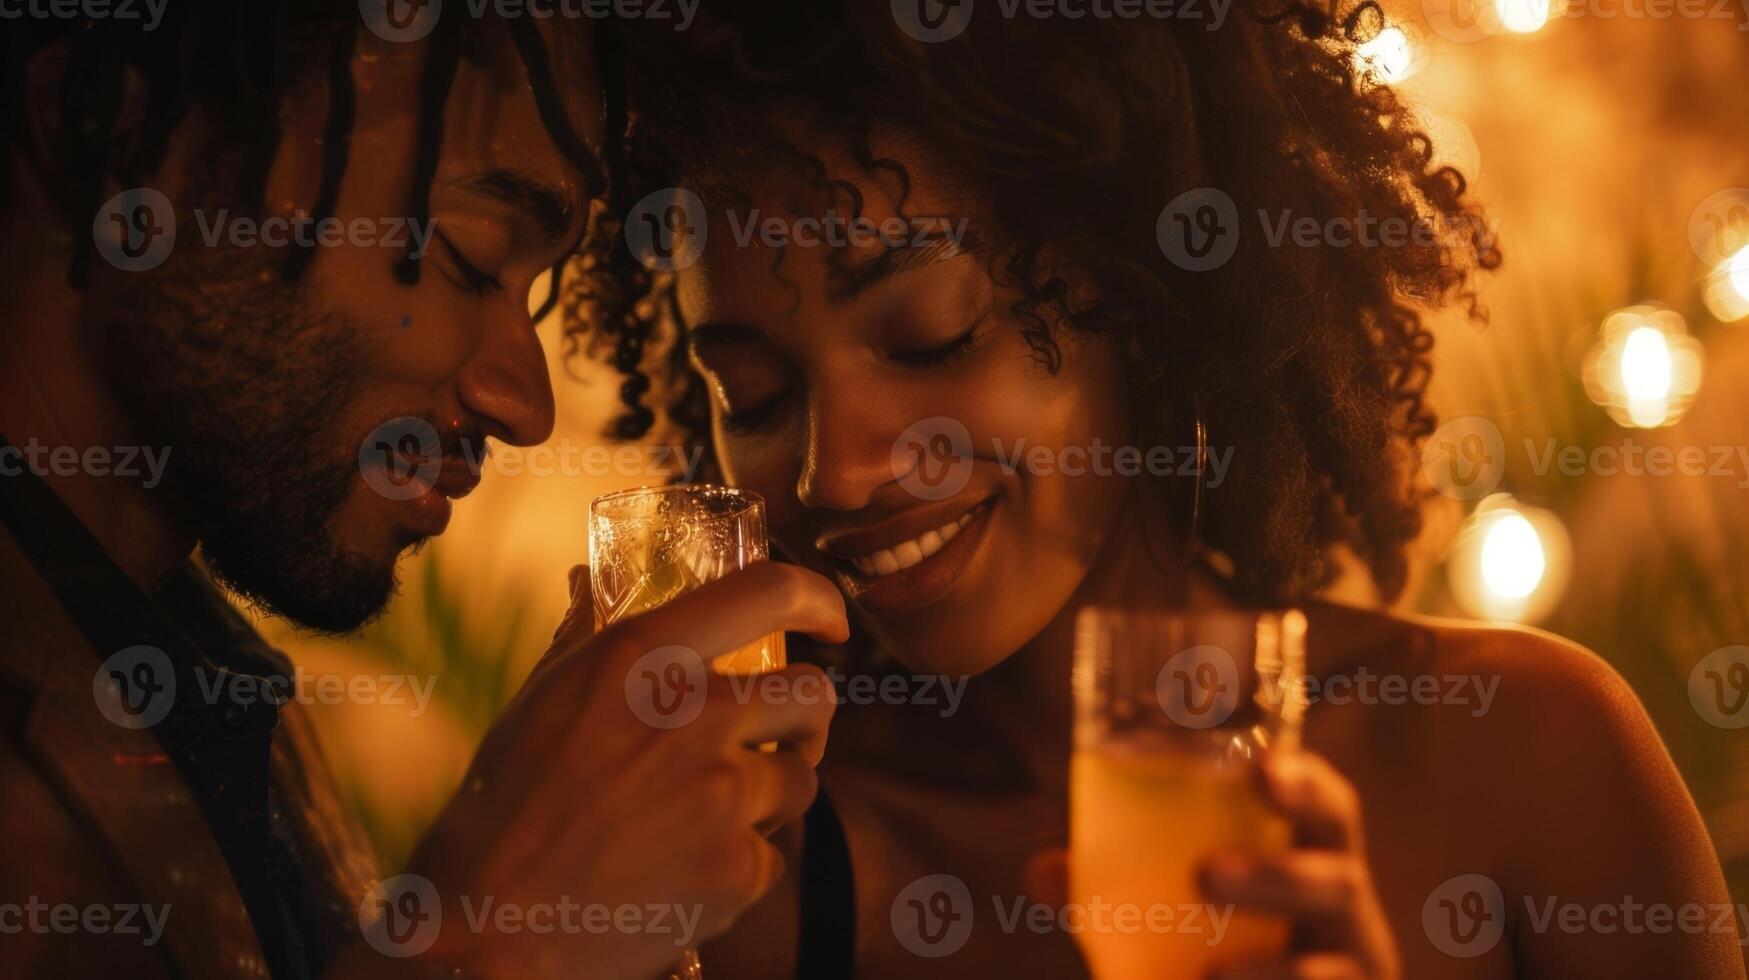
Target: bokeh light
[(1512, 558), (1510, 562), (1523, 16), (1389, 57), (1644, 369), (1727, 290)]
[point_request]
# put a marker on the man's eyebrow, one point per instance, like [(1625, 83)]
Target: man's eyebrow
[(915, 254), (551, 208)]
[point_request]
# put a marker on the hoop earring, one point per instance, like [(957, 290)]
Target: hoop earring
[(1202, 461)]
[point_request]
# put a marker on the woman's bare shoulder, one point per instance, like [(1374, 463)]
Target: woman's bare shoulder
[(1543, 744), (1537, 679)]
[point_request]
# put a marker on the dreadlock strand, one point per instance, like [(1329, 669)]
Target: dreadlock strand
[(336, 145), (442, 62), (526, 36)]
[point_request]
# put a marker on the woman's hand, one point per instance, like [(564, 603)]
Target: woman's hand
[(1323, 884), (580, 798)]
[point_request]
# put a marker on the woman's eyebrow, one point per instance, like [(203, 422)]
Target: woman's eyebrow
[(923, 250)]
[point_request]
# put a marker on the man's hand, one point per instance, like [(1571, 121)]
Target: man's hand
[(626, 781)]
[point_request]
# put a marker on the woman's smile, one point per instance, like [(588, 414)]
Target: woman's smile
[(911, 558)]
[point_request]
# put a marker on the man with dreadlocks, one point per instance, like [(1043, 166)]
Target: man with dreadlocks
[(432, 166)]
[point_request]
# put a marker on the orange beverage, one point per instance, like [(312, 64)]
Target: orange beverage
[(1143, 821), (1173, 710)]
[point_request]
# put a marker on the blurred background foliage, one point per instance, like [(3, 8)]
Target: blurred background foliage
[(1591, 141)]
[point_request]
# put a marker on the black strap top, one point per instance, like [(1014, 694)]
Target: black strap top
[(826, 946)]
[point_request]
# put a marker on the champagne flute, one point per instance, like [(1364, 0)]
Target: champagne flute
[(1173, 712), (649, 545)]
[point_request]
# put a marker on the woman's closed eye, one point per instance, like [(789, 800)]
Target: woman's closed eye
[(961, 346)]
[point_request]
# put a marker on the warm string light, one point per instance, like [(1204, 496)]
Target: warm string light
[(1510, 562), (1389, 57), (1524, 16), (1726, 290), (1645, 369)]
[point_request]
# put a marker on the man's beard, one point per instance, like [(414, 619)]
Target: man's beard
[(216, 357)]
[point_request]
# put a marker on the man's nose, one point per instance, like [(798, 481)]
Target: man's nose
[(506, 385)]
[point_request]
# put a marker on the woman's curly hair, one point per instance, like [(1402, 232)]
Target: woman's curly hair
[(1310, 362)]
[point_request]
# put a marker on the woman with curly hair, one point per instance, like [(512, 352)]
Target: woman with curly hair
[(845, 236)]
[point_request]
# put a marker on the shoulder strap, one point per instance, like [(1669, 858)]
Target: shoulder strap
[(826, 945)]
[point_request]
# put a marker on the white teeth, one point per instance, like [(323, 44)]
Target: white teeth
[(902, 556)]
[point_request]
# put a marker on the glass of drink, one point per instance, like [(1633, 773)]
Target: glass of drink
[(647, 546), (1173, 712)]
